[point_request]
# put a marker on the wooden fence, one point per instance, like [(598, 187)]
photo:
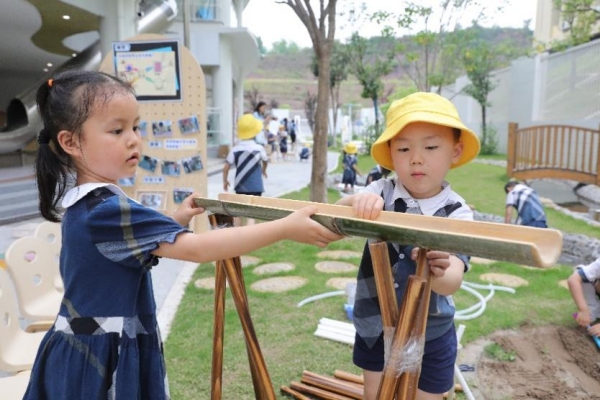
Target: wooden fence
[(554, 151)]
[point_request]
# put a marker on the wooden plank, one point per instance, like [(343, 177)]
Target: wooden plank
[(503, 242)]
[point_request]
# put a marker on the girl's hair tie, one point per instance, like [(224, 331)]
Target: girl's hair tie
[(44, 136), (50, 81)]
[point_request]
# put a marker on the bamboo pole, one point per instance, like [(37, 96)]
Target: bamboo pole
[(389, 378), (384, 281), (263, 388), (409, 381), (316, 392), (216, 377), (332, 385), (297, 395), (347, 376)]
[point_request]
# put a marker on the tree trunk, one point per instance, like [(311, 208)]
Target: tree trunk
[(376, 108), (483, 127), (318, 189)]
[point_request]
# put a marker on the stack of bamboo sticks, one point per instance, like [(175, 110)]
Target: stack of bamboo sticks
[(342, 386)]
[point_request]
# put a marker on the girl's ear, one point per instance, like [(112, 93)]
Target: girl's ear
[(69, 142)]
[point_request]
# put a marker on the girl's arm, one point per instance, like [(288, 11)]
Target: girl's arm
[(231, 242)]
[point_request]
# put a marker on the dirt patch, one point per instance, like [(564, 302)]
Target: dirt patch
[(549, 363)]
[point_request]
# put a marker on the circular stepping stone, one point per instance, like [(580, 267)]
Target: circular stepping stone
[(207, 283), (563, 284), (337, 254), (273, 268), (279, 284), (339, 283), (482, 261), (332, 267), (247, 261), (504, 279)]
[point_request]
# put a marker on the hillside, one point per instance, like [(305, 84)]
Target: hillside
[(286, 77)]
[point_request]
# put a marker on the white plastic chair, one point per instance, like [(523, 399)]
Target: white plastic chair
[(17, 347), (13, 387), (51, 233), (33, 266)]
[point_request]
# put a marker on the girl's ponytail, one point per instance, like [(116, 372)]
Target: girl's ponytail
[(51, 176)]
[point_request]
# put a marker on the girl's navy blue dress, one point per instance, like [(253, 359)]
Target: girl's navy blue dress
[(105, 342)]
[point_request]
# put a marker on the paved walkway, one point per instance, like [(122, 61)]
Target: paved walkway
[(170, 277)]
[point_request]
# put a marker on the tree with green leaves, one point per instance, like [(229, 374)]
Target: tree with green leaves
[(431, 57), (321, 29), (284, 47), (579, 17), (339, 73), (479, 61), (370, 68)]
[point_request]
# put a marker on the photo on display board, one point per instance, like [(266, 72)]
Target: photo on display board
[(171, 168), (148, 163), (180, 194), (154, 199), (162, 129), (189, 125), (126, 182), (143, 128), (192, 164)]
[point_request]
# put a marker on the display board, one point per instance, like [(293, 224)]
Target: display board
[(172, 98)]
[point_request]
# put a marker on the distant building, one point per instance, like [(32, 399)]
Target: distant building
[(551, 26)]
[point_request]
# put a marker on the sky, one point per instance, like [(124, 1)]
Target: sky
[(273, 22)]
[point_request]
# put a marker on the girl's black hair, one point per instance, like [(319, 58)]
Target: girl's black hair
[(259, 105), (65, 102)]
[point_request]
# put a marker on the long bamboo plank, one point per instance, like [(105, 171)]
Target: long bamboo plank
[(519, 244)]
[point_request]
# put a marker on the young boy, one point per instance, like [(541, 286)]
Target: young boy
[(423, 139), (584, 285), (250, 160), (530, 211)]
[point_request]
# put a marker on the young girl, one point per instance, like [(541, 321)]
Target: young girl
[(105, 342)]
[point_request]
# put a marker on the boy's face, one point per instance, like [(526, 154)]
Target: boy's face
[(422, 154)]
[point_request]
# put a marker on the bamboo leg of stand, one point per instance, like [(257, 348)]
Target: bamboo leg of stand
[(389, 378), (216, 381), (254, 371), (409, 381), (264, 390), (216, 378), (384, 281)]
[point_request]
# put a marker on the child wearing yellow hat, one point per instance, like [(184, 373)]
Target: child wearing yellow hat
[(249, 158), (424, 138), (350, 164)]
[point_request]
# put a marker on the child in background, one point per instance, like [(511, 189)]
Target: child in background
[(376, 173), (530, 211), (584, 285), (423, 139), (350, 164), (105, 341), (283, 145)]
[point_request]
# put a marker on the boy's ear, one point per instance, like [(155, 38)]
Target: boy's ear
[(458, 150), (69, 142)]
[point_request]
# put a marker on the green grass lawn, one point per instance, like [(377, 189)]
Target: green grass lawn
[(285, 332)]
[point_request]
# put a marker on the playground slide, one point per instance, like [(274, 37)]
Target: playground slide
[(22, 119)]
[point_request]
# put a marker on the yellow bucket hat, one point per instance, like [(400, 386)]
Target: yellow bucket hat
[(423, 107), (350, 148), (248, 126)]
